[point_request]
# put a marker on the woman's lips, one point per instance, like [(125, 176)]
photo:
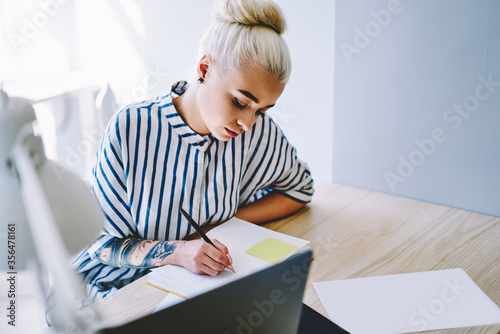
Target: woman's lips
[(231, 133)]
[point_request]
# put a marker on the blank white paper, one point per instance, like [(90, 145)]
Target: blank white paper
[(407, 303), (169, 300), (237, 235)]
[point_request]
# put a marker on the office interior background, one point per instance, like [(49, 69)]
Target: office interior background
[(396, 96)]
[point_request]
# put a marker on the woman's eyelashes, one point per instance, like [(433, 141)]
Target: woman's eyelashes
[(238, 104), (242, 106)]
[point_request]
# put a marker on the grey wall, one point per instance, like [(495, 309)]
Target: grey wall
[(417, 100), (404, 75)]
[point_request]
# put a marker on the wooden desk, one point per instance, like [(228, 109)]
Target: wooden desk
[(360, 233)]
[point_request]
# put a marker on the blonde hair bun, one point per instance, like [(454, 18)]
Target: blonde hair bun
[(246, 35), (251, 13)]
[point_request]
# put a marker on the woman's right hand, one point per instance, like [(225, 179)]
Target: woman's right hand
[(202, 258)]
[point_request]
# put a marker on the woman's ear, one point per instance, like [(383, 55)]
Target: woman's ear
[(203, 66)]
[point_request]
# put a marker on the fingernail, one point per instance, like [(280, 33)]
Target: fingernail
[(230, 258), (230, 267)]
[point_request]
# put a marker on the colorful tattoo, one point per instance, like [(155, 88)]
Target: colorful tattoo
[(133, 253)]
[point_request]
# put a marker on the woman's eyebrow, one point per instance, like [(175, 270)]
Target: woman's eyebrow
[(251, 97)]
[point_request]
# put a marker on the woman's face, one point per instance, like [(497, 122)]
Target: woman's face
[(230, 103)]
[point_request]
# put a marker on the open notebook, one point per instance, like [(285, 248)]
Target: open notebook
[(251, 247)]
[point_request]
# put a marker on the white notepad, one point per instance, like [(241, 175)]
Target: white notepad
[(406, 303), (238, 236)]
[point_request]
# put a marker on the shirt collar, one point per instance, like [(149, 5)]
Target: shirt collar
[(185, 132)]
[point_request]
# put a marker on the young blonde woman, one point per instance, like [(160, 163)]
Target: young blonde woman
[(207, 147)]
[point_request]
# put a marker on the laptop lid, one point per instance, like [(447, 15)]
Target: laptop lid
[(268, 301)]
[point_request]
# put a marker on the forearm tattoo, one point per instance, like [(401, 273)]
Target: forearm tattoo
[(134, 253)]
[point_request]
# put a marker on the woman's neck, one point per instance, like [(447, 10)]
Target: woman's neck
[(187, 107)]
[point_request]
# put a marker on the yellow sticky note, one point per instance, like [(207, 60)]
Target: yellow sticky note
[(271, 250)]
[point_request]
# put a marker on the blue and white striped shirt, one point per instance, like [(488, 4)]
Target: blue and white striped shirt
[(150, 164)]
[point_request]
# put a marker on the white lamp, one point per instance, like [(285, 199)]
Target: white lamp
[(52, 211)]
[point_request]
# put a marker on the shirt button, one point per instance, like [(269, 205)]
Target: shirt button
[(201, 144)]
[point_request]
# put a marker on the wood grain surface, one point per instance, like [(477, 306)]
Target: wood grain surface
[(359, 233)]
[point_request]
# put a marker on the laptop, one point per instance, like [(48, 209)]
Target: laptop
[(268, 301)]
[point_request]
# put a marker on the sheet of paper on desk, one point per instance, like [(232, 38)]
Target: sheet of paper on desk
[(406, 303)]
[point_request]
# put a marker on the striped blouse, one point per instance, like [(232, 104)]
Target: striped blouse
[(150, 164)]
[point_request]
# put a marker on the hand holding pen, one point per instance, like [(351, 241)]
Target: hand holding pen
[(211, 257)]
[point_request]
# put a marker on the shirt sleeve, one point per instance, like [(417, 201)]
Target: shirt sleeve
[(277, 166), (108, 183), (296, 182)]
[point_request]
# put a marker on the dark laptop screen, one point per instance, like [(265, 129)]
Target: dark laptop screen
[(269, 301)]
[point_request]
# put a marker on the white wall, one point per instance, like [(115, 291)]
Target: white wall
[(413, 114), (305, 110), (395, 84), (141, 47)]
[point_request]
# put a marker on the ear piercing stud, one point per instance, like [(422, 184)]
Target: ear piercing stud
[(200, 80)]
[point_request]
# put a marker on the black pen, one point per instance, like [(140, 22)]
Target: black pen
[(199, 230)]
